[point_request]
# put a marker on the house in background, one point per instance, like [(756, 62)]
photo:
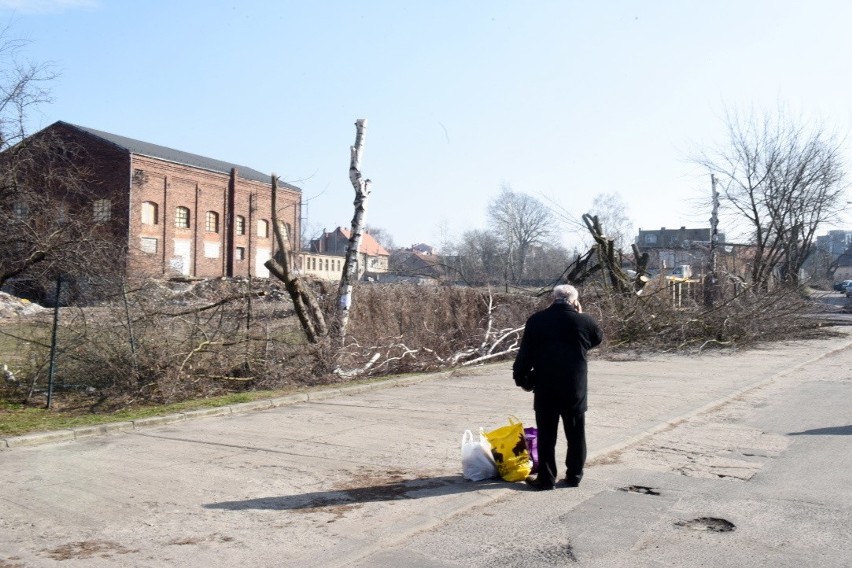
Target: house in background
[(423, 248), (325, 255), (414, 265), (181, 214), (831, 257), (669, 249), (844, 266)]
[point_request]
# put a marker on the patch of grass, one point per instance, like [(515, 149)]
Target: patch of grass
[(17, 419), (70, 411)]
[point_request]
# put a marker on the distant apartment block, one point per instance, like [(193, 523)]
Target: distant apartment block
[(835, 242)]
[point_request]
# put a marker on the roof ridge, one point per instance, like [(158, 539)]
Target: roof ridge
[(140, 147)]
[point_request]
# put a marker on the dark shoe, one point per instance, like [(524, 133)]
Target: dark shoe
[(538, 484), (568, 482)]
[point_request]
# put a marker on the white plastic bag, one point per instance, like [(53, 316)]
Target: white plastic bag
[(477, 462)]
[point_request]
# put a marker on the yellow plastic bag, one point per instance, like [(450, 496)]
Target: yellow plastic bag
[(509, 449)]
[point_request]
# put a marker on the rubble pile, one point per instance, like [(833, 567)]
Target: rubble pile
[(10, 306)]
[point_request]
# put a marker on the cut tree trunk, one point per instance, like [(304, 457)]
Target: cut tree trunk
[(350, 264), (304, 302)]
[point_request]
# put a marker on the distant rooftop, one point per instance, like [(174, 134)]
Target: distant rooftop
[(177, 156)]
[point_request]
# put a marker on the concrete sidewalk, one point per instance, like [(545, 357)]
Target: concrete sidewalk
[(328, 480)]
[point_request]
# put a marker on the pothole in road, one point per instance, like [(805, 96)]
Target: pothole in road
[(640, 489), (712, 524), (557, 554)]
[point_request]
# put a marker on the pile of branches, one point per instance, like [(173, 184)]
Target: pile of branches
[(401, 328), (157, 345), (652, 321), (160, 344)]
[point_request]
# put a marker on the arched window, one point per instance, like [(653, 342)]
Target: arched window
[(149, 213), (211, 222), (182, 218), (240, 225), (263, 228)]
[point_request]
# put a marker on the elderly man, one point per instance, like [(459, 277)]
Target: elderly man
[(552, 362)]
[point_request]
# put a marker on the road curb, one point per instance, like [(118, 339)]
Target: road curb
[(83, 432)]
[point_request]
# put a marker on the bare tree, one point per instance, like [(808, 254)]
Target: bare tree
[(47, 224), (480, 257), (382, 236), (611, 212), (784, 180), (522, 221), (24, 85)]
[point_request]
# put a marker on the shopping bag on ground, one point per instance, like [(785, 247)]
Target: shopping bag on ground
[(477, 463), (531, 438), (509, 449)]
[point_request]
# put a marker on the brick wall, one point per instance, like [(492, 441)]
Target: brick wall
[(200, 249), (143, 194)]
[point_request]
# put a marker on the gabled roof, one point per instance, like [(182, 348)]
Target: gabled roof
[(177, 156), (411, 262), (368, 244)]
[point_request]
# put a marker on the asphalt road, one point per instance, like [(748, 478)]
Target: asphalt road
[(715, 460)]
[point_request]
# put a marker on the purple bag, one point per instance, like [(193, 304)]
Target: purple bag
[(531, 438)]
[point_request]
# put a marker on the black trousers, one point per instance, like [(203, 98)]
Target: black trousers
[(547, 421)]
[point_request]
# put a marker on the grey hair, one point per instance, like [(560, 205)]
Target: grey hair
[(565, 293)]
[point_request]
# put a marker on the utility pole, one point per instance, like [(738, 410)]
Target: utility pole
[(711, 281)]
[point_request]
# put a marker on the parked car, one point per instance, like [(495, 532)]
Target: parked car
[(841, 286), (849, 290)]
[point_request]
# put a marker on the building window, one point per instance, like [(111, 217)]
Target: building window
[(651, 239), (102, 210), (211, 250), (20, 209), (240, 225), (139, 177), (182, 218), (240, 253), (211, 222), (149, 245), (149, 213), (263, 229)]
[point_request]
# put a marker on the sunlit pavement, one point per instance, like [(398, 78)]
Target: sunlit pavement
[(679, 446)]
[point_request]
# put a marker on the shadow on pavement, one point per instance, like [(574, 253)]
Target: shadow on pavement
[(406, 489), (830, 431)]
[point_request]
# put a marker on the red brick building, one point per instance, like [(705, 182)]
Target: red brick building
[(179, 213)]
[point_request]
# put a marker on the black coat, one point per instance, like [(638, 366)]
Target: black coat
[(552, 356)]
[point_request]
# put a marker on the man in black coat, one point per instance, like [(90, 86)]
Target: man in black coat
[(552, 362)]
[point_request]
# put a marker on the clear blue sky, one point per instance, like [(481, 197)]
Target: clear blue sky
[(563, 100)]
